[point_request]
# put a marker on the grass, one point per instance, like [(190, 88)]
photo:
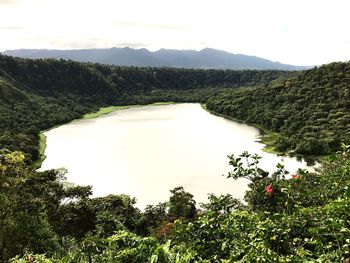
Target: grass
[(269, 139), (106, 110), (42, 147)]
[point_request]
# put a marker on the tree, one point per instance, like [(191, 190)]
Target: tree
[(181, 204), (24, 222), (152, 217), (30, 206)]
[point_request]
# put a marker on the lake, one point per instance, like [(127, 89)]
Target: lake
[(146, 151)]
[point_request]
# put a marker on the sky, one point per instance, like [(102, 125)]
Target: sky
[(297, 32)]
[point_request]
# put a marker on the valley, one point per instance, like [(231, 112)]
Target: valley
[(284, 217)]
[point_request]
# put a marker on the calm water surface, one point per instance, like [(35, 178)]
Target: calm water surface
[(146, 151)]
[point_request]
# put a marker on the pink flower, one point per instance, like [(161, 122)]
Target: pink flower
[(269, 189), (296, 176)]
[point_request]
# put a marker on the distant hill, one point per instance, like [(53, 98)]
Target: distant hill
[(204, 59)]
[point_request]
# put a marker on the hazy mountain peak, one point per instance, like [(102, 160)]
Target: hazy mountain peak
[(207, 49), (209, 58)]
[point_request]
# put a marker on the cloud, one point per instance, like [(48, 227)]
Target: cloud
[(87, 43), (132, 44), (148, 26), (12, 28), (8, 2), (62, 43)]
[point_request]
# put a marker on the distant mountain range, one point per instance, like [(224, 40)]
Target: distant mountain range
[(205, 59)]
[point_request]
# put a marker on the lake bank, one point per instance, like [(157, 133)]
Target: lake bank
[(109, 109), (268, 138), (102, 111)]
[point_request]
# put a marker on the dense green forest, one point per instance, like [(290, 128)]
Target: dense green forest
[(39, 94), (311, 112), (302, 217)]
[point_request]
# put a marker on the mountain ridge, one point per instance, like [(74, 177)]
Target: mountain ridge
[(207, 58)]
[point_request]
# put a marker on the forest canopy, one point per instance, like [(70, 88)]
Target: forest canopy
[(310, 112)]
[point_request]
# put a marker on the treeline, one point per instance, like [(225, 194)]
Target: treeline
[(39, 94), (311, 112)]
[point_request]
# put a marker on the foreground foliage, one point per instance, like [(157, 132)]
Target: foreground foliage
[(302, 217)]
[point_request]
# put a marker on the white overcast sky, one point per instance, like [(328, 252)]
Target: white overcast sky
[(299, 32)]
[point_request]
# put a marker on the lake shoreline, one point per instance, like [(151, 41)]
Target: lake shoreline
[(265, 133), (132, 150), (106, 110), (92, 115), (268, 138)]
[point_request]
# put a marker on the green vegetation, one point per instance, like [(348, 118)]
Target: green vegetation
[(103, 111), (42, 148), (302, 217), (310, 112), (268, 138)]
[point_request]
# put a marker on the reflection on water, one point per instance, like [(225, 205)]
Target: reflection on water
[(146, 151), (310, 161)]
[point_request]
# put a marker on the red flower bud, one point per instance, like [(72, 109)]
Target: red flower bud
[(269, 189)]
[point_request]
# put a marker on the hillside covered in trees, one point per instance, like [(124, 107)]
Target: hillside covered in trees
[(39, 94), (310, 112)]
